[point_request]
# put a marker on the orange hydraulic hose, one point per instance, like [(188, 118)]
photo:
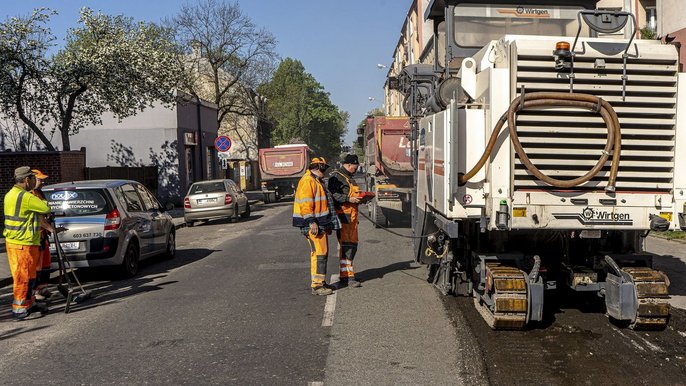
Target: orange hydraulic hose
[(558, 99)]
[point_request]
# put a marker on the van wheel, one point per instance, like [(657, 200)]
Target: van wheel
[(246, 214), (129, 267), (170, 252)]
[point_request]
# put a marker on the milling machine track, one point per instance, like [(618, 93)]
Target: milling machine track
[(506, 286), (652, 295)]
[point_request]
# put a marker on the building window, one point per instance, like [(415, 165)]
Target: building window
[(651, 18)]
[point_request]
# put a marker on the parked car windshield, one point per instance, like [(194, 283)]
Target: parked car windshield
[(208, 187), (81, 202)]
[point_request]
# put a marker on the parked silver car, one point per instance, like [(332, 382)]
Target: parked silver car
[(110, 223), (213, 199)]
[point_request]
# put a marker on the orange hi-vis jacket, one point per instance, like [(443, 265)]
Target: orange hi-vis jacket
[(310, 203), (342, 187)]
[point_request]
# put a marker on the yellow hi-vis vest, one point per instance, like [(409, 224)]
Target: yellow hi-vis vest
[(22, 223)]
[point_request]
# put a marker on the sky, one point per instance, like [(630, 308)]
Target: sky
[(339, 42)]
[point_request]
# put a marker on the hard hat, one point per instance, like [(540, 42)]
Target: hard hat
[(39, 174), (318, 160)]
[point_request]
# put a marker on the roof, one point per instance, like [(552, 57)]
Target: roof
[(89, 184), (210, 181)]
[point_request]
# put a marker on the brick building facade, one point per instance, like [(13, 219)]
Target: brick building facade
[(60, 166)]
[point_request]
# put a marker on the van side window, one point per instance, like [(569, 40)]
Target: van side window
[(131, 199), (149, 201)]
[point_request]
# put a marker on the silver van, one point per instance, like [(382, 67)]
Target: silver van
[(110, 223)]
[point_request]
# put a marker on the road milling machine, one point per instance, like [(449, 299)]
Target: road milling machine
[(547, 144)]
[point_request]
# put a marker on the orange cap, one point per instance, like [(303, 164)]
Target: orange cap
[(39, 174)]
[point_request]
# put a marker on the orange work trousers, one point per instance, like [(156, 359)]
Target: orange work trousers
[(347, 248), (43, 266), (319, 255), (22, 260)]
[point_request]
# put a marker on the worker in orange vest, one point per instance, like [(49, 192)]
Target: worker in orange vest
[(314, 214), (41, 290), (345, 192)]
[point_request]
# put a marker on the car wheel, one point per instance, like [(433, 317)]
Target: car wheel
[(246, 214), (129, 267), (170, 252), (234, 216), (190, 223)]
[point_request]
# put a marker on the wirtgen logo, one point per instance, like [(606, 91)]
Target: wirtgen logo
[(590, 216), (526, 12), (532, 11)]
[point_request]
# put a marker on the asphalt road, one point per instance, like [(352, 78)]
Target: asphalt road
[(234, 307)]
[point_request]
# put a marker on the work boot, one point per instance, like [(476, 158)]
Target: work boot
[(39, 307), (44, 292), (329, 286), (322, 291), (18, 317)]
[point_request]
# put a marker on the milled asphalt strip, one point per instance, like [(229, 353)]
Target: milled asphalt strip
[(330, 306)]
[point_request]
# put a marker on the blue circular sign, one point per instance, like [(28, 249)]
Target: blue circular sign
[(222, 143)]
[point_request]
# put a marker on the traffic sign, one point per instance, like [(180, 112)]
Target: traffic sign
[(222, 143)]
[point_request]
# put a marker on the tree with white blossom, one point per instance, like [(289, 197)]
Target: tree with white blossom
[(108, 63)]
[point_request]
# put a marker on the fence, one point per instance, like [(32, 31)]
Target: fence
[(146, 175)]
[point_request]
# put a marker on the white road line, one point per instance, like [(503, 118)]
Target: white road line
[(330, 306), (315, 383)]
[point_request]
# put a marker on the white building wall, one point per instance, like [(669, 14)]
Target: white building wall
[(671, 16), (150, 138)]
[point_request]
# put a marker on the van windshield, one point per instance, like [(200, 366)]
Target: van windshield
[(81, 202), (476, 25)]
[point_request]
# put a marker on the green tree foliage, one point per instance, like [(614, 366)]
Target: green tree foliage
[(301, 110), (109, 63)]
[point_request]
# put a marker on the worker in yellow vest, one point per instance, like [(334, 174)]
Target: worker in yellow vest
[(314, 214), (23, 212), (345, 192)]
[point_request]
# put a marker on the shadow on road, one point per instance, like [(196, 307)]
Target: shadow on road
[(675, 268), (378, 273), (227, 221), (112, 290)]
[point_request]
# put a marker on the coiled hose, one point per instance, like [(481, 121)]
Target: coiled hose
[(557, 99)]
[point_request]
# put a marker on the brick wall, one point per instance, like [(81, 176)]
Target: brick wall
[(60, 166)]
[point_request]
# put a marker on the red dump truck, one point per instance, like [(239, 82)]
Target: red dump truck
[(388, 168), (280, 169)]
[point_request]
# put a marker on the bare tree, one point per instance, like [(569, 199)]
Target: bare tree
[(226, 56)]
